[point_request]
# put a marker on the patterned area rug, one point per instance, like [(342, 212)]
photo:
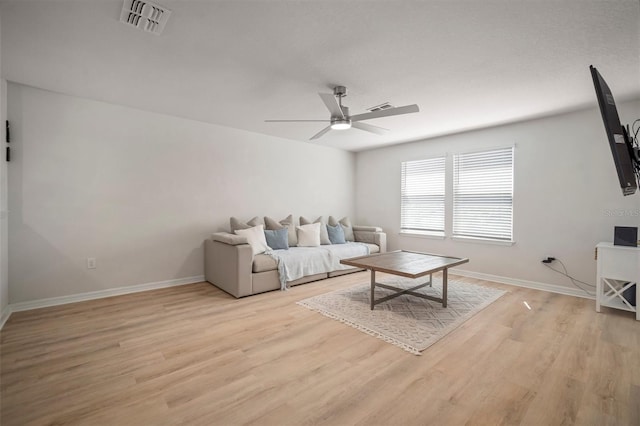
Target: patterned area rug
[(409, 322)]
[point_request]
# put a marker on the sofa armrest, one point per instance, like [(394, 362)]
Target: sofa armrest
[(229, 267), (367, 228), (227, 238), (371, 235)]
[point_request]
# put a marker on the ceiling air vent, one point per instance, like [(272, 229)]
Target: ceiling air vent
[(145, 15), (380, 107)]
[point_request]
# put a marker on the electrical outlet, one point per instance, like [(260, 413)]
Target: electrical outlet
[(91, 263)]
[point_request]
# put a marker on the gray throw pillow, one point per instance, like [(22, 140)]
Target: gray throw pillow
[(336, 234), (277, 239), (236, 224), (287, 222), (346, 225), (324, 237)]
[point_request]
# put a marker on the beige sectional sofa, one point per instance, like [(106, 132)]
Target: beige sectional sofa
[(231, 266)]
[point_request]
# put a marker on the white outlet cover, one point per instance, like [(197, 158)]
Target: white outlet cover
[(91, 263)]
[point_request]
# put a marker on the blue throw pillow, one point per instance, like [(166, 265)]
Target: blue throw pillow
[(277, 239), (336, 234)]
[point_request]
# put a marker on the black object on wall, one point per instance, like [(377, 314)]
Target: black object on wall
[(620, 141), (8, 139), (625, 236)]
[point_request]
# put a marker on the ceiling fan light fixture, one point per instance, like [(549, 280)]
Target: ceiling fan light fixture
[(340, 124)]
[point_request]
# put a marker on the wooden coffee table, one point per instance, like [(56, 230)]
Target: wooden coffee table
[(406, 264)]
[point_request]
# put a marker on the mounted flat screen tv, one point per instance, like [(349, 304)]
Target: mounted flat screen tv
[(620, 139)]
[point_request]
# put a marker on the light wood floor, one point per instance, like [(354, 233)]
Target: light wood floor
[(194, 355)]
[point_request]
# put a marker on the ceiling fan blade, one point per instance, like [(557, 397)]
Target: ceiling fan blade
[(296, 121), (386, 112), (370, 128), (332, 104), (320, 133)]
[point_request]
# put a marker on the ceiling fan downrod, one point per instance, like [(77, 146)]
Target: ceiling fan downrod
[(341, 123)]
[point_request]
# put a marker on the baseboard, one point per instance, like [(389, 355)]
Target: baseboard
[(62, 300), (524, 283), (55, 301), (4, 316)]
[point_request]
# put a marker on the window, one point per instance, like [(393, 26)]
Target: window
[(483, 194), (422, 202)]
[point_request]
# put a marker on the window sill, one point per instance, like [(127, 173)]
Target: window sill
[(429, 235), (483, 241)]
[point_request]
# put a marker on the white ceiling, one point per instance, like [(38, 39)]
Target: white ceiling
[(467, 64)]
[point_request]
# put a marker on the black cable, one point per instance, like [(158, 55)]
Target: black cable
[(635, 145), (567, 274), (573, 280), (634, 130)]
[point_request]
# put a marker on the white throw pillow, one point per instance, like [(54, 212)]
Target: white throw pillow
[(309, 235), (324, 237), (255, 237)]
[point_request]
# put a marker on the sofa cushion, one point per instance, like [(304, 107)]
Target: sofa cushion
[(346, 225), (277, 239), (255, 237), (373, 248), (263, 263), (324, 236), (309, 235), (287, 222), (336, 234), (235, 223)]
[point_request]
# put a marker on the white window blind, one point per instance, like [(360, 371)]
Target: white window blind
[(422, 202), (483, 194)]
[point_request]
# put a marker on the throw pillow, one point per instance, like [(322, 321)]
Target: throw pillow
[(336, 234), (324, 237), (237, 224), (346, 225), (309, 235), (255, 237), (287, 222), (277, 239)]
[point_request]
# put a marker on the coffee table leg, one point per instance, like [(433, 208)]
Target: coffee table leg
[(444, 288), (373, 286)]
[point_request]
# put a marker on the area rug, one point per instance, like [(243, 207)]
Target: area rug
[(409, 322)]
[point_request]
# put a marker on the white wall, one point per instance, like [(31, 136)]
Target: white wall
[(567, 197), (4, 277), (140, 191), (4, 231)]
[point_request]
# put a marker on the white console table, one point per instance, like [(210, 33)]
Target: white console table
[(618, 269)]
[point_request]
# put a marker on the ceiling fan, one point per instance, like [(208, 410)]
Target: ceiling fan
[(341, 120)]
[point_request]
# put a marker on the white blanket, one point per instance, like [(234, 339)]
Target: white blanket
[(298, 262)]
